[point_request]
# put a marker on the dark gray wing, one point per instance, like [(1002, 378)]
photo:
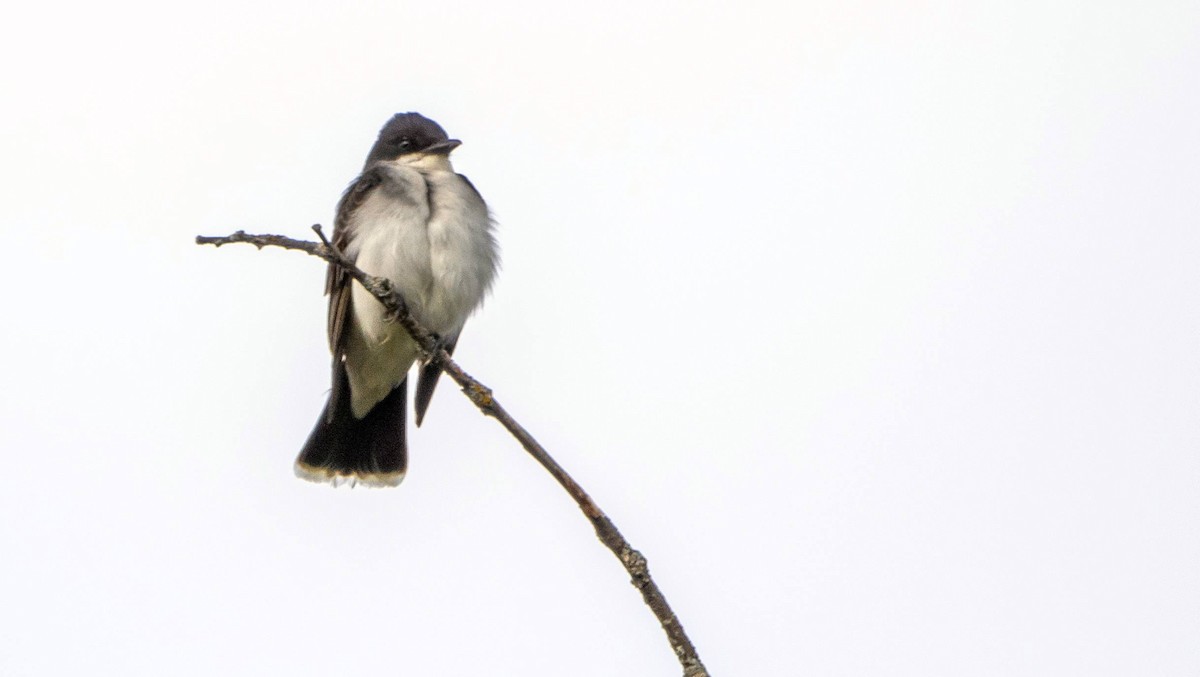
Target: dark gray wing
[(427, 380), (337, 281), (471, 186)]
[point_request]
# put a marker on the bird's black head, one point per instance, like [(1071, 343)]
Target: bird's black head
[(410, 133)]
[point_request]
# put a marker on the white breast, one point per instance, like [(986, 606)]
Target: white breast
[(462, 252), (428, 232)]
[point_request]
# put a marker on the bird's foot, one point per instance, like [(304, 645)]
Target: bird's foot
[(439, 344)]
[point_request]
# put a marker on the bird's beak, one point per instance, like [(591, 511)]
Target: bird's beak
[(444, 147)]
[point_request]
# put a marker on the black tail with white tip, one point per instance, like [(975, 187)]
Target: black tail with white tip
[(343, 449)]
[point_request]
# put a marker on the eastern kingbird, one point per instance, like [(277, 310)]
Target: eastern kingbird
[(408, 217)]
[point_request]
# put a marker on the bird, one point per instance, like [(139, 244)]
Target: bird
[(410, 218)]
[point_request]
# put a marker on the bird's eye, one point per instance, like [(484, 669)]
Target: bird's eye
[(404, 143)]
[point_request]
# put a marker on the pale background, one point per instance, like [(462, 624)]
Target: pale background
[(875, 326)]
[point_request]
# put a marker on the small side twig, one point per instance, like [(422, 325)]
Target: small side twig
[(482, 397)]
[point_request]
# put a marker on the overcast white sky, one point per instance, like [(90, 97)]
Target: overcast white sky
[(874, 326)]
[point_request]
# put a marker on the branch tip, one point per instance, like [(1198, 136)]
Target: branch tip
[(321, 234)]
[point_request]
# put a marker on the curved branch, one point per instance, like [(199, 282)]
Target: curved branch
[(482, 397)]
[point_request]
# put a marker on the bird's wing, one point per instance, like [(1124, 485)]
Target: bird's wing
[(428, 378), (337, 281)]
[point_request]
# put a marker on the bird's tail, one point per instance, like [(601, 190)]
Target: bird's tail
[(344, 449)]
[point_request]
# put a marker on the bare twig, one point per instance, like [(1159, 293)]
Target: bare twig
[(481, 395)]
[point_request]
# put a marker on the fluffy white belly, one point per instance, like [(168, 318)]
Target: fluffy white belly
[(429, 233)]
